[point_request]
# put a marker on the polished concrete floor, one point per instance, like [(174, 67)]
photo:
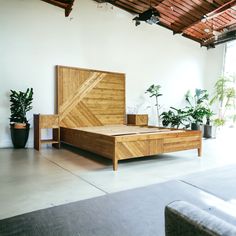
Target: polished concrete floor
[(31, 180)]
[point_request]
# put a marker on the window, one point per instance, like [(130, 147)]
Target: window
[(230, 72)]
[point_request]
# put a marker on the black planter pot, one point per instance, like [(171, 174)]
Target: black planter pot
[(195, 126), (207, 131), (19, 137)]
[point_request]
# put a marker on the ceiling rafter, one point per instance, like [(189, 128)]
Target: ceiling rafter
[(65, 4), (208, 22), (185, 17), (220, 10)]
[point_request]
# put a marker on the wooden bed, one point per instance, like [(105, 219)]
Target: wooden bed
[(91, 108)]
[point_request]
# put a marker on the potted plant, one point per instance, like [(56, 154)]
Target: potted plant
[(154, 91), (19, 125), (196, 116), (197, 107), (175, 118), (224, 98), (207, 132)]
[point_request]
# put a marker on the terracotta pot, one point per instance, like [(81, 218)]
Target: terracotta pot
[(19, 125)]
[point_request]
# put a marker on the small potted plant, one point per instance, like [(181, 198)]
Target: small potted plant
[(196, 116), (19, 125), (207, 132)]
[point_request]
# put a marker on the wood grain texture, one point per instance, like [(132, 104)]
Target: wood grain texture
[(90, 98), (91, 107), (137, 119), (97, 143), (46, 122), (119, 142)]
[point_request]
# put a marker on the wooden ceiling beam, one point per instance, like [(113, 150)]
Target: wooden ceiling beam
[(184, 16), (56, 3), (227, 26), (66, 5), (222, 38), (220, 10)]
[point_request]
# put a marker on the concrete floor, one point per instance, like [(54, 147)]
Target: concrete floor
[(31, 180)]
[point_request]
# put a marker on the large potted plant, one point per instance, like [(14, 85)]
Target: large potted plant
[(224, 97), (19, 125), (197, 108)]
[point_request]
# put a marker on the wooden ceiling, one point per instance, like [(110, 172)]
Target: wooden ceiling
[(65, 4), (209, 22)]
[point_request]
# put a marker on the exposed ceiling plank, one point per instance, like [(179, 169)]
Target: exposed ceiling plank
[(212, 14), (184, 16), (222, 8)]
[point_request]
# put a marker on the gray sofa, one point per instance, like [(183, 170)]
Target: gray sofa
[(185, 219)]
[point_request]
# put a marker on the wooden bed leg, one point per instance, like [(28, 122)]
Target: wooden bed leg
[(199, 152), (115, 164)]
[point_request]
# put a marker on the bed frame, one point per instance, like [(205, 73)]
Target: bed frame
[(91, 108)]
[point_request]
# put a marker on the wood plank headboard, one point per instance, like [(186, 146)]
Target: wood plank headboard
[(89, 97)]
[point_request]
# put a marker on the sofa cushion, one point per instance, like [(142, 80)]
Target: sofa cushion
[(183, 218)]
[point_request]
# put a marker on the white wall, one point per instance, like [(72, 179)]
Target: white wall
[(35, 36), (214, 66)]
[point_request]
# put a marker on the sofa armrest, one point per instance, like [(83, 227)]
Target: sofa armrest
[(185, 219)]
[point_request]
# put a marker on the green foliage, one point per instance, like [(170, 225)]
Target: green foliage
[(154, 90), (174, 118), (197, 114), (200, 97), (209, 114), (222, 91), (20, 105), (198, 107), (224, 97), (219, 122)]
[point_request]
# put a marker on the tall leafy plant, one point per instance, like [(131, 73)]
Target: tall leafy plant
[(154, 91), (20, 105), (200, 97), (224, 96), (197, 105)]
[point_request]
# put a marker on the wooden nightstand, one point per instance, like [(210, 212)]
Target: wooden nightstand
[(46, 122), (137, 119)]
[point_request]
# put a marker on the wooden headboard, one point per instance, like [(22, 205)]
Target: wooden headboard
[(89, 97)]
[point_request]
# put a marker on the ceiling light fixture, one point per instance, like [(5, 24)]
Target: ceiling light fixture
[(150, 16)]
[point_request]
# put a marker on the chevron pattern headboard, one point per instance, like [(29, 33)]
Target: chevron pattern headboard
[(89, 97)]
